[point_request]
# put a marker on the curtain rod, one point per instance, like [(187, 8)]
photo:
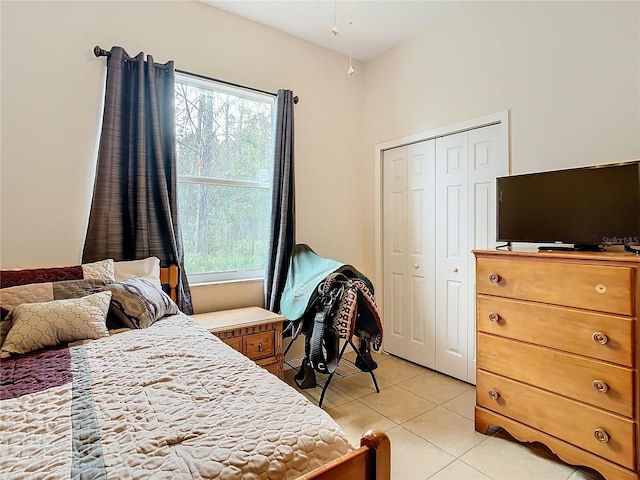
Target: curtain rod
[(99, 52)]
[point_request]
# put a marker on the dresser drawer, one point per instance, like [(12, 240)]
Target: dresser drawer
[(565, 329), (260, 345), (574, 422), (591, 381), (592, 287)]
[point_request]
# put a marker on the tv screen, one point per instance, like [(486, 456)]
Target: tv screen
[(583, 206)]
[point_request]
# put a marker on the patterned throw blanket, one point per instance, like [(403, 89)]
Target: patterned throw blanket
[(357, 308), (170, 401)]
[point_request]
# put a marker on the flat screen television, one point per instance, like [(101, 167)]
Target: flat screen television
[(589, 207)]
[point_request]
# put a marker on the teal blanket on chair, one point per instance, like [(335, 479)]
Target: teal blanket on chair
[(306, 271)]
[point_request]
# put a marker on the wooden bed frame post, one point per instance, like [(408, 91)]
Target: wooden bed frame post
[(380, 453), (372, 461), (169, 276)]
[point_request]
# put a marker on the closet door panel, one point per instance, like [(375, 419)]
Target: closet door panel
[(451, 255), (487, 161), (395, 245), (421, 236), (408, 269)]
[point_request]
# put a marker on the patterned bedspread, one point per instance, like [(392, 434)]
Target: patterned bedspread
[(167, 402)]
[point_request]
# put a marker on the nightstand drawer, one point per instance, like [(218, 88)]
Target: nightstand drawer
[(270, 365), (234, 342), (260, 345)]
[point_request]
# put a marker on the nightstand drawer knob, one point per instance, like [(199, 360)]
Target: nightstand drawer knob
[(600, 338), (494, 317), (494, 277), (494, 394), (601, 435), (600, 386)]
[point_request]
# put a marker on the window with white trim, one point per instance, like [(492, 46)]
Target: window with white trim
[(225, 163)]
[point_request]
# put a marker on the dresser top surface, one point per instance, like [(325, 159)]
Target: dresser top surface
[(534, 254)]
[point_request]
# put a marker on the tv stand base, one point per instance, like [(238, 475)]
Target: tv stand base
[(575, 248)]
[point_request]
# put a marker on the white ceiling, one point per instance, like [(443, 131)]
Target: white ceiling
[(377, 25)]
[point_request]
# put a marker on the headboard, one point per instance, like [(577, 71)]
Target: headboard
[(169, 279)]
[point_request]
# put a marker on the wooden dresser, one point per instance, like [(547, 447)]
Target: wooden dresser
[(253, 331), (558, 353)]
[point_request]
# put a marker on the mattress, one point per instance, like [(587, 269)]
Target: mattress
[(169, 401)]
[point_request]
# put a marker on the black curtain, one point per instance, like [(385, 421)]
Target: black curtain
[(134, 211), (282, 229)]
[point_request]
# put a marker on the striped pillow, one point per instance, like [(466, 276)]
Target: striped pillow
[(138, 302)]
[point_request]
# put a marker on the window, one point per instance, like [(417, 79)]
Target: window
[(225, 164)]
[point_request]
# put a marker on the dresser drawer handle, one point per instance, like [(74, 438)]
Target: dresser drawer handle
[(494, 394), (494, 277), (601, 435), (260, 347), (600, 386), (600, 338), (494, 317)]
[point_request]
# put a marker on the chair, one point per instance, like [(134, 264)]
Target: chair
[(326, 302)]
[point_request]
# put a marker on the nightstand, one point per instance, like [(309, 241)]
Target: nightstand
[(253, 331)]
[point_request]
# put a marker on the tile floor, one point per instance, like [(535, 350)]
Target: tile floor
[(429, 419)]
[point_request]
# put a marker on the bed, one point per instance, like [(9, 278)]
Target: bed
[(161, 398)]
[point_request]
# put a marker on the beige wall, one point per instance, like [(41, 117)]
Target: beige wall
[(568, 73), (51, 94)]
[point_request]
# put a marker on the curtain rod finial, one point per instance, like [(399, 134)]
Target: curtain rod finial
[(99, 52)]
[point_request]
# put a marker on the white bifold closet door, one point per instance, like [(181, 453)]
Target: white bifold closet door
[(438, 206), (409, 245)]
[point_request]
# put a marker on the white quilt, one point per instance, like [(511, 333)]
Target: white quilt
[(167, 402)]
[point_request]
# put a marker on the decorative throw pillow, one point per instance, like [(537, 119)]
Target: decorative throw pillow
[(146, 268), (5, 325), (138, 302), (47, 324), (11, 297)]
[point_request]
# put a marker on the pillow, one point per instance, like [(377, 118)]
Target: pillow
[(11, 297), (138, 302), (47, 324), (95, 270), (147, 268)]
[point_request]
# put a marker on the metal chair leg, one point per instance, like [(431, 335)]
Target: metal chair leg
[(330, 377), (373, 377), (328, 381)]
